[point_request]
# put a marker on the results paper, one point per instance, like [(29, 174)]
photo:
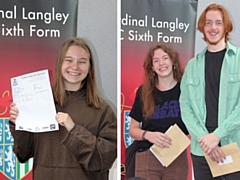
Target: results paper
[(33, 97)]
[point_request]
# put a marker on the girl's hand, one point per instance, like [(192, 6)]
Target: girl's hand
[(65, 120), (13, 113), (158, 138)]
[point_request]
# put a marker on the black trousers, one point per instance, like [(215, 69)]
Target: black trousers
[(202, 170)]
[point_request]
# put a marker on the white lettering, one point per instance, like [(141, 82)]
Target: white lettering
[(44, 32), (129, 21), (12, 31), (10, 14), (135, 36), (169, 39), (46, 17), (172, 26)]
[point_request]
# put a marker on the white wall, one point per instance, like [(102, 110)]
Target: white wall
[(97, 23)]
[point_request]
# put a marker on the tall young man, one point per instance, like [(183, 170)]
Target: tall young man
[(210, 93)]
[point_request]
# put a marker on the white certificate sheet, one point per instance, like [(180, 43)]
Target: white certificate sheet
[(32, 94)]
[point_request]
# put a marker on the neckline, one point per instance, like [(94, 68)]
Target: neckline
[(221, 51), (166, 91)]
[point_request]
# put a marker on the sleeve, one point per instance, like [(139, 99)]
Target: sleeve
[(195, 127), (230, 124), (136, 111), (95, 153), (23, 143)]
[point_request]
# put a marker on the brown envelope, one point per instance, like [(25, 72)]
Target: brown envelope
[(179, 143), (232, 163)]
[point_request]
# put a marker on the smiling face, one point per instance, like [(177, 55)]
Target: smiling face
[(214, 28), (75, 67), (162, 64)]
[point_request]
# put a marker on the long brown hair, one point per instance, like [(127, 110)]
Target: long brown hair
[(89, 83), (150, 77), (228, 26)]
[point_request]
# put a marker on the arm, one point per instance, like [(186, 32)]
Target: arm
[(23, 141), (95, 152), (158, 138), (194, 124), (230, 124)]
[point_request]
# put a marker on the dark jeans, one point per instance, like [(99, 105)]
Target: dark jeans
[(202, 170), (148, 167)]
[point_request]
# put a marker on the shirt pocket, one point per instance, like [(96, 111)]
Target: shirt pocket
[(233, 86), (193, 86)]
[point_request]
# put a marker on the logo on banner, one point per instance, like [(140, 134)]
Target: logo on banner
[(9, 164), (127, 120)]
